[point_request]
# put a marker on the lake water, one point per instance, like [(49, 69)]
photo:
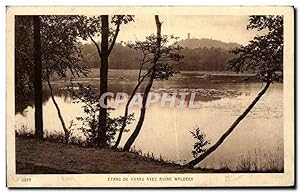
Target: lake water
[(257, 140)]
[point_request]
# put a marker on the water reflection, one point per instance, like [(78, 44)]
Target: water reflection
[(166, 131)]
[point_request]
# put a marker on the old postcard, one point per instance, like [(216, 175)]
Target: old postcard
[(150, 96)]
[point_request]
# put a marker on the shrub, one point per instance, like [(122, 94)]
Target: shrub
[(90, 123), (201, 143)]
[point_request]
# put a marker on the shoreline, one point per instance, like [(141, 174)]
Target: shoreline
[(44, 157)]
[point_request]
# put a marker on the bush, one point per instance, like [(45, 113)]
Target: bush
[(201, 143), (90, 123)]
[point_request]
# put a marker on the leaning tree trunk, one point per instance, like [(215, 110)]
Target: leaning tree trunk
[(139, 125), (102, 128), (194, 162), (135, 133), (38, 92), (67, 133), (124, 123), (125, 117)]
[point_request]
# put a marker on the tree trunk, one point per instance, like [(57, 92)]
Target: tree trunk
[(38, 92), (142, 116), (126, 109), (102, 129), (67, 133), (125, 117), (194, 162), (135, 133)]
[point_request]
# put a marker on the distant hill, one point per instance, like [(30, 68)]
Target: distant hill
[(208, 43), (199, 55)]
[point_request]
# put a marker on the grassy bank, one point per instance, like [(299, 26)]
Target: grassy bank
[(38, 157)]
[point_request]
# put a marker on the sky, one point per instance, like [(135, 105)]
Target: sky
[(219, 27)]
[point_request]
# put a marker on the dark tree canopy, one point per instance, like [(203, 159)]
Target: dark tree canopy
[(60, 52), (263, 54), (60, 46), (89, 27), (23, 60)]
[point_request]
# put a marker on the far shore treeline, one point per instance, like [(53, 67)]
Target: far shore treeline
[(199, 55)]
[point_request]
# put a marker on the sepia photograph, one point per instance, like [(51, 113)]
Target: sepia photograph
[(150, 96)]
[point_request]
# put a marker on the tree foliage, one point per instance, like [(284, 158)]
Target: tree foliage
[(201, 143), (59, 47), (23, 61), (168, 61), (89, 98), (96, 26), (263, 54), (89, 27)]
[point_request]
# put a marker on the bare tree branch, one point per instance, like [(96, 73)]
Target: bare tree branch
[(95, 43), (115, 35)]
